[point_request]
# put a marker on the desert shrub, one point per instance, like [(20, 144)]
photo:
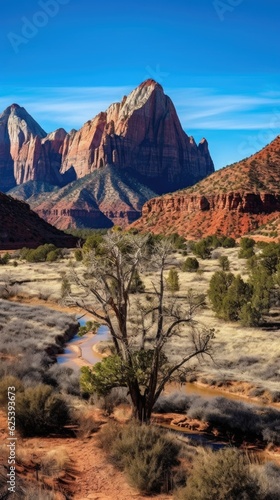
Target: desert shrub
[(238, 294), (267, 477), (270, 257), (5, 259), (90, 326), (65, 289), (39, 254), (86, 424), (220, 475), (191, 264), (40, 411), (172, 280), (232, 299), (202, 249), (235, 416), (176, 402), (24, 489), (53, 255), (228, 242), (63, 377), (246, 253), (145, 453), (78, 254), (5, 383), (246, 248), (249, 315), (178, 242), (218, 288), (262, 284), (116, 397), (55, 461), (224, 263), (93, 242)]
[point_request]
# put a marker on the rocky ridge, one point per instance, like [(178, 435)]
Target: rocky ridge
[(233, 201), (21, 227), (140, 136)]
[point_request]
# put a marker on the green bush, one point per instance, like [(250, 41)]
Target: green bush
[(228, 242), (246, 248), (270, 257), (5, 259), (246, 253), (172, 281), (40, 253), (178, 242), (93, 242), (53, 255), (145, 453), (201, 249), (218, 288), (40, 411), (5, 383), (191, 264), (78, 254), (228, 294), (220, 475), (65, 287), (224, 263)]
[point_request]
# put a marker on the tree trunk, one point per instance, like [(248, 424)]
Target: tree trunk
[(142, 410)]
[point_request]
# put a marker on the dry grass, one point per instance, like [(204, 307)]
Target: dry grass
[(248, 355)]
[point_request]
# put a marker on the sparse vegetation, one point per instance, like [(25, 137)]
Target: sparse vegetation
[(145, 453), (43, 253), (191, 264), (173, 284), (223, 475), (140, 362), (239, 354), (40, 411), (224, 263)]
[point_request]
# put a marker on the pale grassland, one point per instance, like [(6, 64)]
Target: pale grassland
[(249, 355)]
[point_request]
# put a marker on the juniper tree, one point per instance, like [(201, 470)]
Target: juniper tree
[(141, 360)]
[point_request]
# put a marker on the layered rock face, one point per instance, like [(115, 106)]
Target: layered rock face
[(136, 149), (142, 133), (105, 197), (17, 128), (20, 226), (233, 201), (27, 152)]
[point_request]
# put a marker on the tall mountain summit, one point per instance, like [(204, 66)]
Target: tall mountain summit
[(233, 201), (133, 151)]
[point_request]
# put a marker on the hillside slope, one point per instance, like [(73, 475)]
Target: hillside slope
[(232, 201)]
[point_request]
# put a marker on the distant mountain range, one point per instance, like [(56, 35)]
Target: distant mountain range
[(103, 173), (233, 201)]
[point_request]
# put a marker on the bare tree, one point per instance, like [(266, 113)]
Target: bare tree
[(142, 326)]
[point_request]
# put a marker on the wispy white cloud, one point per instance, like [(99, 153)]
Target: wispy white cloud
[(200, 108), (68, 107), (197, 107)]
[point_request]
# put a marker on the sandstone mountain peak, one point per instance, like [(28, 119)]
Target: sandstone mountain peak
[(140, 136)]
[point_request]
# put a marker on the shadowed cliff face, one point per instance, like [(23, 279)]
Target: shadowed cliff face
[(136, 149), (233, 201), (20, 226)]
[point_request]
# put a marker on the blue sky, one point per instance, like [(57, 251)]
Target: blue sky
[(66, 60)]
